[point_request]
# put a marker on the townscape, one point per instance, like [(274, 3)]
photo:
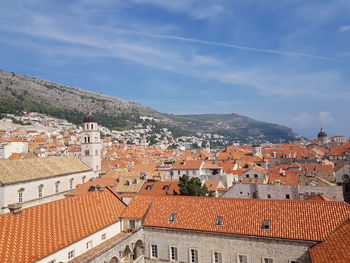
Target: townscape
[(71, 193)]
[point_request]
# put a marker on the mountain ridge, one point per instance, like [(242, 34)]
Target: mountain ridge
[(23, 93)]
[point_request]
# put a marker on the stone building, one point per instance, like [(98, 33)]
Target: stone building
[(202, 229), (91, 145), (39, 180)]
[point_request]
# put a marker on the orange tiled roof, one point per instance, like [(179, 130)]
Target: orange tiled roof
[(138, 206), (187, 165), (15, 156), (290, 219), (84, 188), (212, 185), (160, 188), (42, 230), (335, 248), (319, 197)]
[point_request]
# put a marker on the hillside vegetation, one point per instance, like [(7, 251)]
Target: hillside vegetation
[(21, 93)]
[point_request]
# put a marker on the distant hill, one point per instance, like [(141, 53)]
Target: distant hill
[(22, 93)]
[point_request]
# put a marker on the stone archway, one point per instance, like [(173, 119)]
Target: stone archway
[(138, 249), (114, 260), (126, 256)]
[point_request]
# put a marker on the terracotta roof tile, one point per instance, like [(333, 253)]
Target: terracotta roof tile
[(290, 219), (160, 188), (335, 248), (50, 227), (138, 206)]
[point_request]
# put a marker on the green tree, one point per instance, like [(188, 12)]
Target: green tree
[(192, 187)]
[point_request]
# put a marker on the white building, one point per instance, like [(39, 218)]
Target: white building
[(12, 145), (36, 181)]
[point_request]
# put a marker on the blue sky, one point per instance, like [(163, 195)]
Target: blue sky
[(281, 61)]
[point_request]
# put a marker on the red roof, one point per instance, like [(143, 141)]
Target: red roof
[(42, 230), (160, 188), (138, 206), (335, 248), (290, 219)]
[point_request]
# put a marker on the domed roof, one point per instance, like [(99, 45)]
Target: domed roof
[(321, 134), (90, 118)]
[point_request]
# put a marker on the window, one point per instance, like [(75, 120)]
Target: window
[(172, 218), (104, 236), (287, 196), (89, 245), (20, 197), (83, 179), (217, 257), (132, 224), (194, 172), (57, 187), (87, 152), (92, 126), (267, 260), (173, 253), (218, 221), (247, 175), (149, 187), (266, 225), (40, 191), (154, 251), (71, 254), (269, 196), (178, 172), (256, 176), (187, 173), (166, 187), (52, 261), (242, 259), (71, 183), (193, 255)]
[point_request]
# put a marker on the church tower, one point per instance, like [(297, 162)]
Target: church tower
[(91, 144)]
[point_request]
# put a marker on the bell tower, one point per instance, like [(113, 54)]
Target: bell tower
[(91, 144)]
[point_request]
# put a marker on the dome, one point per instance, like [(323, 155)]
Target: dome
[(90, 118), (321, 134)]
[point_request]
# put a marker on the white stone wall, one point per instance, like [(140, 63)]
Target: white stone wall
[(274, 191), (251, 173), (31, 190), (13, 147), (230, 246), (91, 147), (80, 246)]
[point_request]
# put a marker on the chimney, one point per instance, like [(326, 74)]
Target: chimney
[(15, 208)]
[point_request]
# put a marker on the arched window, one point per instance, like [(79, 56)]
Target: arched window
[(40, 190), (71, 183), (87, 152), (92, 126), (57, 187)]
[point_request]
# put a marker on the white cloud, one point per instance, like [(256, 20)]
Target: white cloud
[(344, 28), (325, 117), (312, 120), (304, 119)]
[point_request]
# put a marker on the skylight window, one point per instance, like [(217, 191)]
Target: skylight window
[(266, 225), (172, 218), (218, 221)]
